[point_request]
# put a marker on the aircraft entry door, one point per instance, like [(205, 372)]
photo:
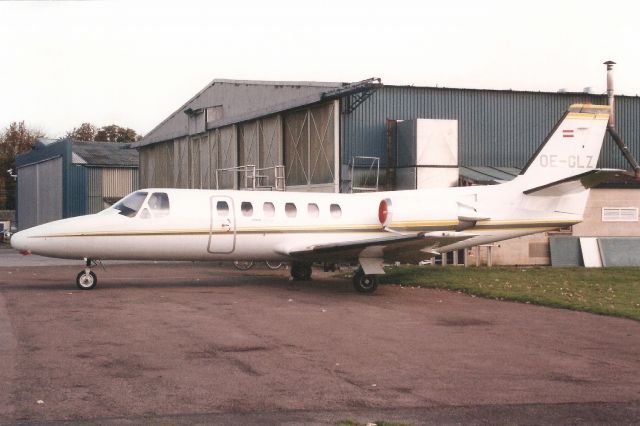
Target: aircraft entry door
[(222, 235)]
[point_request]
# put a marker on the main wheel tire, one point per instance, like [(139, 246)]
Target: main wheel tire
[(273, 265), (364, 283), (243, 265), (86, 281), (301, 271)]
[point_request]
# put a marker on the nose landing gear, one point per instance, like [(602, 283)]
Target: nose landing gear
[(86, 279)]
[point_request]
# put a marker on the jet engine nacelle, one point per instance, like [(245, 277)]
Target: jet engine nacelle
[(385, 212)]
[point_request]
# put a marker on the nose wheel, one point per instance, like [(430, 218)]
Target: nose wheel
[(86, 279)]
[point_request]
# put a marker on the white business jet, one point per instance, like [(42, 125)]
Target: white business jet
[(367, 228)]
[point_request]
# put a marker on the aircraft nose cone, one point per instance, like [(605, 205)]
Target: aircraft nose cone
[(19, 241)]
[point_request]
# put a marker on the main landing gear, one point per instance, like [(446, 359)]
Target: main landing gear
[(86, 279), (364, 283), (300, 271)]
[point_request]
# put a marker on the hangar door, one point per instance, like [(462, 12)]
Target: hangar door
[(40, 193), (260, 145), (310, 147)]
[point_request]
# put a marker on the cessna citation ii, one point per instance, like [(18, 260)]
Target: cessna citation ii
[(367, 228)]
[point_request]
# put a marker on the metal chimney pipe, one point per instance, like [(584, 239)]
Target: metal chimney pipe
[(611, 127), (610, 98)]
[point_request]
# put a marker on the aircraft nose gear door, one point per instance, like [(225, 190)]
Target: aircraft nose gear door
[(222, 235)]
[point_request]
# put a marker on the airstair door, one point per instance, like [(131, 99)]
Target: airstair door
[(222, 235)]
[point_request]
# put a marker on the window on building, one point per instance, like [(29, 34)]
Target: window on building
[(619, 214), (223, 208), (246, 208), (335, 210), (313, 210), (290, 209), (213, 113), (268, 209)]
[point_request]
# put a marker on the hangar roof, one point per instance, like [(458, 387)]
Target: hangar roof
[(104, 154), (100, 154), (238, 100)]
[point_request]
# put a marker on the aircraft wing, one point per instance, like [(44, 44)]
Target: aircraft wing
[(395, 247)]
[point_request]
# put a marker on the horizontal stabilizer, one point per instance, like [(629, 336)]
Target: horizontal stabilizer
[(575, 184)]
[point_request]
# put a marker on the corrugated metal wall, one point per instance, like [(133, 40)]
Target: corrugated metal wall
[(108, 184), (40, 193), (94, 189), (156, 165), (497, 128), (76, 191)]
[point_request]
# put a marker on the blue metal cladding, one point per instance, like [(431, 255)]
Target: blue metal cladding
[(495, 128), (76, 191)]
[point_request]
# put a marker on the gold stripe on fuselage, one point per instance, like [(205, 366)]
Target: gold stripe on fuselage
[(415, 226)]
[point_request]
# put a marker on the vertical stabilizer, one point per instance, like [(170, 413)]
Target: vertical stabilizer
[(572, 148)]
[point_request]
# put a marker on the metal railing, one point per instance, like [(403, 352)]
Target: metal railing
[(254, 178), (364, 174)]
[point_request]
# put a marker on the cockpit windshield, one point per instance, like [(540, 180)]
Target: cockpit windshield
[(130, 205)]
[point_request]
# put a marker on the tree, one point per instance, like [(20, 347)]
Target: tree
[(14, 140), (86, 132), (114, 133)]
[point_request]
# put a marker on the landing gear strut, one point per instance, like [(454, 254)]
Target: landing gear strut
[(301, 271), (86, 279), (364, 283)]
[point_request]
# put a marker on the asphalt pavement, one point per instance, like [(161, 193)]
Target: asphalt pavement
[(182, 343)]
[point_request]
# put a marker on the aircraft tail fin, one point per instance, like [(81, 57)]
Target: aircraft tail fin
[(571, 149)]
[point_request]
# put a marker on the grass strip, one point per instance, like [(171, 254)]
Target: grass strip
[(606, 291)]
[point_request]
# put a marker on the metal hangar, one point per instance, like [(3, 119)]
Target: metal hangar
[(341, 137), (65, 178)]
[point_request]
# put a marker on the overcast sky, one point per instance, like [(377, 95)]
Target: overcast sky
[(132, 63)]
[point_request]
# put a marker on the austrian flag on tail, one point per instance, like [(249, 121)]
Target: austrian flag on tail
[(567, 133)]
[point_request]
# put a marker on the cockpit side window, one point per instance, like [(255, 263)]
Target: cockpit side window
[(130, 205), (159, 204)]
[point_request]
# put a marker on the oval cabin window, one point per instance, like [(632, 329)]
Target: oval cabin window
[(268, 209), (290, 209), (313, 210), (223, 208), (246, 208)]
